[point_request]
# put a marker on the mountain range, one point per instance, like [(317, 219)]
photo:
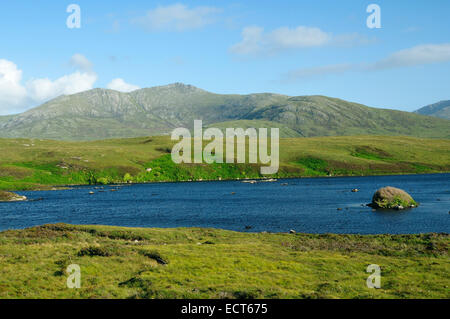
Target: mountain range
[(103, 113)]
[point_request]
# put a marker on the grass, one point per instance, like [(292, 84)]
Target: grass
[(121, 262), (314, 166), (37, 164)]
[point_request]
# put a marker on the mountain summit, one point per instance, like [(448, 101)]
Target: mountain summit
[(102, 113)]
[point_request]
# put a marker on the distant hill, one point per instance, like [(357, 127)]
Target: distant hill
[(440, 109), (101, 114)]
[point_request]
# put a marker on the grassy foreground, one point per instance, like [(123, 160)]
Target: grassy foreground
[(37, 164), (121, 262)]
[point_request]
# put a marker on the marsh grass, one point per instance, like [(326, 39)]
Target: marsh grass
[(122, 262)]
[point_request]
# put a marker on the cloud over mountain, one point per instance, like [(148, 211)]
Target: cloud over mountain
[(121, 86), (45, 89), (12, 93), (16, 96)]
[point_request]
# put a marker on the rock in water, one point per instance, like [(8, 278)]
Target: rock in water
[(392, 198), (11, 197)]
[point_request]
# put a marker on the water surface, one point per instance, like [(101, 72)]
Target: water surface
[(306, 205)]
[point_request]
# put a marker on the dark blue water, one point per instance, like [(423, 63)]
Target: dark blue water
[(305, 205)]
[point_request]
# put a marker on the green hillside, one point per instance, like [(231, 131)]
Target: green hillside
[(440, 109), (33, 164), (101, 114), (285, 131), (325, 116)]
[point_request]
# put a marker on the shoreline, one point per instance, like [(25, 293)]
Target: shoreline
[(192, 228), (52, 187)]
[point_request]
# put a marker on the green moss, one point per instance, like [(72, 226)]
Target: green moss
[(395, 202)]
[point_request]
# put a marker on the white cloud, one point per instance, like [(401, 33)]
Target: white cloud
[(351, 40), (120, 85), (12, 93), (177, 17), (256, 41), (300, 37), (45, 89), (16, 96), (419, 55), (81, 62), (252, 40)]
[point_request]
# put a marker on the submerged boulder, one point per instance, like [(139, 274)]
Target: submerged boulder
[(11, 197), (392, 198)]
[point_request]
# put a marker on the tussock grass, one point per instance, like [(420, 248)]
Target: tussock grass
[(119, 262)]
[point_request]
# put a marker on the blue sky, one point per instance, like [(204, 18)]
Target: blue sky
[(289, 47)]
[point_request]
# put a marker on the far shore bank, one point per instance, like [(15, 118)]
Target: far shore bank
[(257, 180), (44, 165)]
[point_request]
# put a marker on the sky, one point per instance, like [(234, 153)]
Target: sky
[(322, 47)]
